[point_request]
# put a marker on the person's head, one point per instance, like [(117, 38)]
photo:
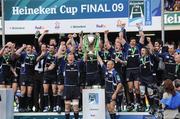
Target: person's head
[(177, 84), (43, 48), (118, 46), (6, 51), (144, 51), (62, 43), (133, 42), (29, 49), (157, 45), (10, 46), (70, 58), (171, 49), (63, 48), (13, 46), (70, 35), (69, 46), (169, 87), (177, 58), (117, 40), (52, 49), (110, 65), (52, 42)]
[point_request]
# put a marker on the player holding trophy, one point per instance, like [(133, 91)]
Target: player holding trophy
[(90, 50)]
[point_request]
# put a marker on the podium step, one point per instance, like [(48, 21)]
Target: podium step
[(121, 115)]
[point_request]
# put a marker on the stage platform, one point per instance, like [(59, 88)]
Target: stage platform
[(121, 115)]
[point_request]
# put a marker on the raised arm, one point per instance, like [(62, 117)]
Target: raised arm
[(106, 35), (121, 25), (18, 52), (2, 50), (81, 39), (141, 33), (70, 40), (100, 60), (73, 41), (150, 45), (41, 37), (40, 56), (106, 40), (60, 53)]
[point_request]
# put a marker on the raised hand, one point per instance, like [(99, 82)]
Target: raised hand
[(45, 31), (74, 35), (37, 34), (121, 23), (106, 31), (139, 26), (70, 36), (24, 45), (81, 34), (148, 39), (9, 44)]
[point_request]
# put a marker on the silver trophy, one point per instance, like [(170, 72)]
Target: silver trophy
[(91, 44)]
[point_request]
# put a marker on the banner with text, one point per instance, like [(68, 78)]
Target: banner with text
[(64, 16), (172, 18)]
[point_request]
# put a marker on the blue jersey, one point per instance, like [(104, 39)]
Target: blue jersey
[(105, 55), (71, 74), (48, 60), (170, 64), (78, 56), (132, 55), (28, 62), (6, 62), (117, 65), (146, 66), (112, 79)]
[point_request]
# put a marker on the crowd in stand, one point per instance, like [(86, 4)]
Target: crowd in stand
[(51, 77), (172, 5)]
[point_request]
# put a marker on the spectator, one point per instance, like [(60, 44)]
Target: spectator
[(169, 113)]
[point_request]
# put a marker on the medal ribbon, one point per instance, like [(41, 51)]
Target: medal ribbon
[(143, 59), (105, 55), (117, 54), (6, 58), (133, 50)]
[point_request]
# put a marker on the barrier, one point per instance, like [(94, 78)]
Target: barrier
[(6, 103)]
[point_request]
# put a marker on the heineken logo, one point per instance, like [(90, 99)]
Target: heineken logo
[(172, 18)]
